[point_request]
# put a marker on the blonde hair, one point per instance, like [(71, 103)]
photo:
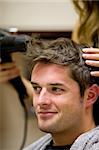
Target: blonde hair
[(88, 28)]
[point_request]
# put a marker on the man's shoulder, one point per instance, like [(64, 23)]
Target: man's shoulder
[(42, 142), (87, 141)]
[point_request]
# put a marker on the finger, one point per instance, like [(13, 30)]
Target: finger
[(9, 74), (92, 63), (91, 50), (95, 73), (6, 66), (91, 56)]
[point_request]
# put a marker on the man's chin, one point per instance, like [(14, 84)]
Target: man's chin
[(45, 129), (46, 125)]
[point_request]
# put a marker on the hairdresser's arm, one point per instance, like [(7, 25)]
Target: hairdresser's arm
[(92, 58)]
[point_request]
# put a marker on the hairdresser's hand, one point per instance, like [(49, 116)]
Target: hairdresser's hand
[(8, 71), (92, 58)]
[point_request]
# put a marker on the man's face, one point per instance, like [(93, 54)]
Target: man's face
[(56, 99)]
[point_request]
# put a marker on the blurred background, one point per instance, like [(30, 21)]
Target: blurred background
[(37, 15)]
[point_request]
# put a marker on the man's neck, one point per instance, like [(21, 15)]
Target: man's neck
[(67, 138)]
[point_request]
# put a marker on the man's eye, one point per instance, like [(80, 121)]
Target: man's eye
[(37, 89), (57, 90)]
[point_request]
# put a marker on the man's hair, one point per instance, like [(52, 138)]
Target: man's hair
[(65, 52)]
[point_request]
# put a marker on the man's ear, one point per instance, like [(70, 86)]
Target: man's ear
[(92, 94)]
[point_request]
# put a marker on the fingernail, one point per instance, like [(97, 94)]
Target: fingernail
[(84, 49), (83, 55)]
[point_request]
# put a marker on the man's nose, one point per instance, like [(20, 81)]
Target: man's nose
[(44, 97)]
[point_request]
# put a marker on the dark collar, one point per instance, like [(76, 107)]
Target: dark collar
[(51, 147)]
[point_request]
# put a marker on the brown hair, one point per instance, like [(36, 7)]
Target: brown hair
[(62, 51), (88, 29)]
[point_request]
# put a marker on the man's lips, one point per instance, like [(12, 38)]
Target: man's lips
[(46, 114)]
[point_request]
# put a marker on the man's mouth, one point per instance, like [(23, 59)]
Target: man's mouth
[(46, 114)]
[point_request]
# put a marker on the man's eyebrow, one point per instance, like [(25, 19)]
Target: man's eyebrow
[(34, 83), (51, 84), (56, 84)]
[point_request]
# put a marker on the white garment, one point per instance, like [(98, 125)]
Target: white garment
[(86, 141)]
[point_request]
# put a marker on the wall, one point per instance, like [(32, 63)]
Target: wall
[(57, 15)]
